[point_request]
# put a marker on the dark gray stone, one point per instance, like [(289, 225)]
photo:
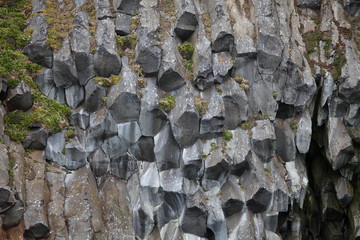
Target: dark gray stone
[(123, 102), (123, 166), (36, 140), (264, 140), (13, 216), (143, 150), (64, 69), (186, 21), (352, 7), (167, 151), (193, 221), (285, 141), (37, 231), (269, 53), (151, 120), (260, 201), (39, 53), (19, 98), (170, 76), (344, 191), (142, 223), (7, 199), (74, 95), (148, 53), (232, 206), (84, 63), (314, 4), (114, 147), (94, 96), (80, 119), (235, 104), (99, 162), (106, 62), (126, 6)]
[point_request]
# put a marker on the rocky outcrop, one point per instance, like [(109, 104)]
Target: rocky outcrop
[(251, 131)]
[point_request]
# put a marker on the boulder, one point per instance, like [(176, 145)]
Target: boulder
[(19, 98), (193, 221), (106, 62), (126, 6), (36, 139)]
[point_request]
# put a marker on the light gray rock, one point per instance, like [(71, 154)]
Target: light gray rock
[(338, 145), (102, 125), (304, 132), (186, 18), (126, 6), (114, 147), (74, 95), (269, 52), (349, 89), (221, 32), (99, 162), (123, 102), (167, 151), (216, 171), (264, 140), (122, 24), (193, 164), (222, 65), (46, 84), (170, 76), (82, 208), (148, 53), (19, 98), (103, 10)]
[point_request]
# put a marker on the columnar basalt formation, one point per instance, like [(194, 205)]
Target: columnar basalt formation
[(185, 119)]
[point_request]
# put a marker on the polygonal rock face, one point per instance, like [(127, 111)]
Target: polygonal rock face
[(106, 62), (39, 53), (126, 6), (264, 140), (19, 98), (194, 221), (38, 230), (13, 216), (125, 108), (260, 201), (232, 206), (36, 140)]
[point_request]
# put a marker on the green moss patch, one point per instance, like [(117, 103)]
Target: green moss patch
[(167, 103), (107, 82), (186, 50)]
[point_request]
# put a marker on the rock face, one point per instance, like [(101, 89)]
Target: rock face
[(189, 120)]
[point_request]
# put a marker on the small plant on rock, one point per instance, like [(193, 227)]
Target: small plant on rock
[(186, 50), (201, 105), (167, 103), (227, 135), (294, 125), (107, 82)]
